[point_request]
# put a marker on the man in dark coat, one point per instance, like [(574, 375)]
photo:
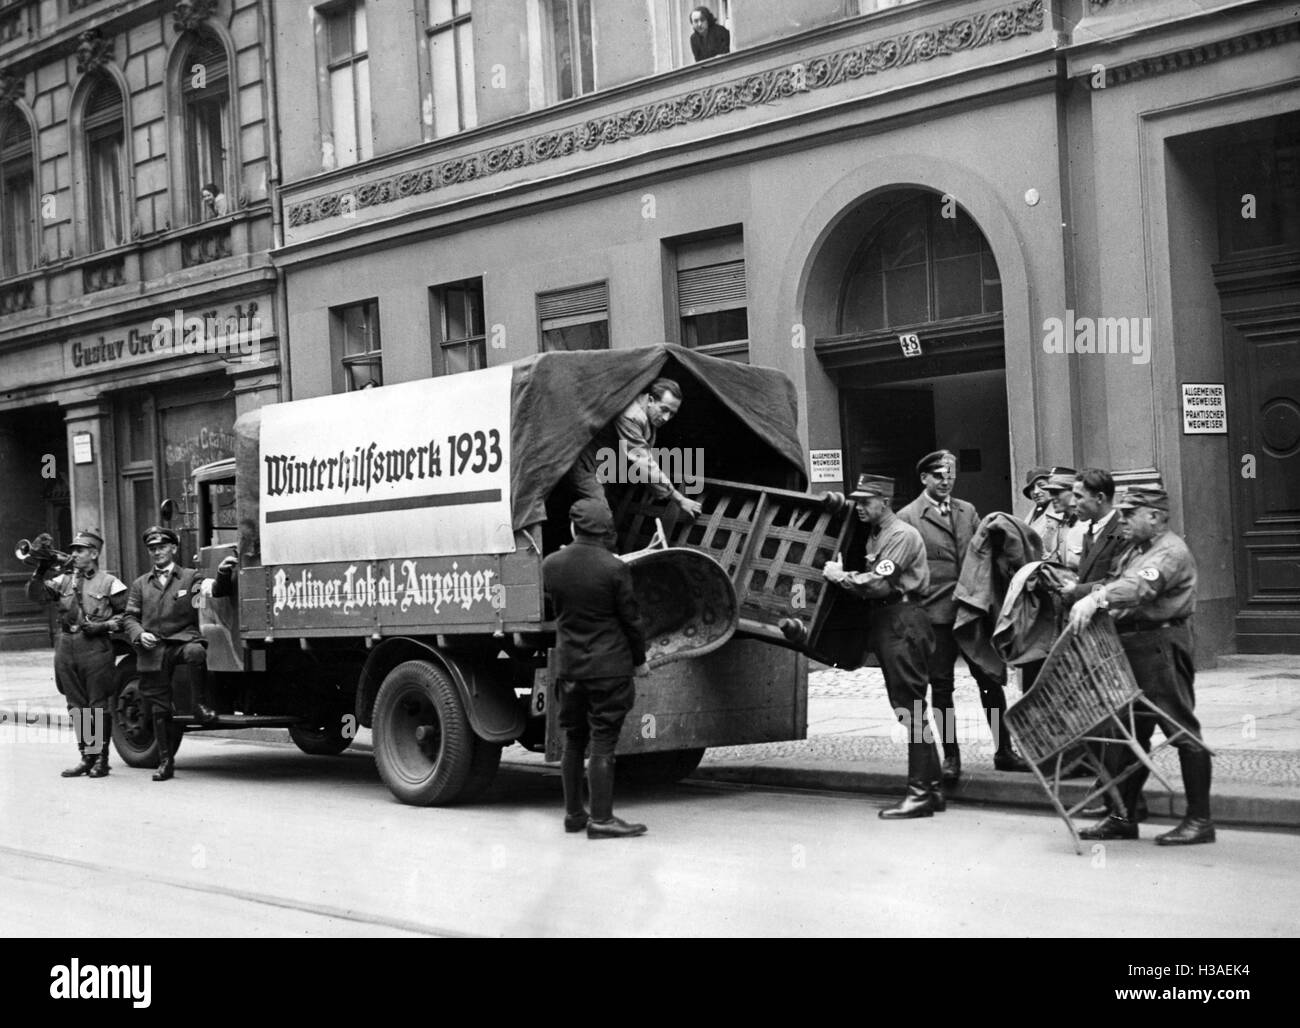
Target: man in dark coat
[(162, 622), (946, 525), (599, 647), (90, 603)]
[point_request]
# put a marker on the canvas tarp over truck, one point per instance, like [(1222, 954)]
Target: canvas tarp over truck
[(742, 419)]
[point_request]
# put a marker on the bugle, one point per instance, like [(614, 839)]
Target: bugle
[(42, 553)]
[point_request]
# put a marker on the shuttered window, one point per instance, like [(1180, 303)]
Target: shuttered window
[(575, 319), (711, 296)]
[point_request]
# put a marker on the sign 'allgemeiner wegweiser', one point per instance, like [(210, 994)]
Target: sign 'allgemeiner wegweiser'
[(415, 468), (1205, 409)]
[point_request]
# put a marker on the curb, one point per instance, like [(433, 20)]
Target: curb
[(1240, 805)]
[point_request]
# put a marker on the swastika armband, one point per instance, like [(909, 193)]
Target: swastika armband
[(884, 568), (1149, 574)]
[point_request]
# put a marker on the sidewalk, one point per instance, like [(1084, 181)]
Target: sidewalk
[(1249, 708)]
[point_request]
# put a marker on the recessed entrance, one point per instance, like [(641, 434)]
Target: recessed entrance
[(916, 343)]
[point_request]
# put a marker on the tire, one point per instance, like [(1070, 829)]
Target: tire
[(657, 768), (424, 747), (133, 736), (328, 740)]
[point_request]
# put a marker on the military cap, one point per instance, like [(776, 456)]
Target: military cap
[(88, 537), (1060, 480), (873, 485), (935, 461), (1143, 496), (157, 534), (591, 517), (1032, 476)]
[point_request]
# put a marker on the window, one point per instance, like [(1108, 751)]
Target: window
[(458, 319), (920, 266), (575, 319), (348, 70), (205, 99), (17, 195), (570, 71), (355, 329), (451, 60), (711, 295), (102, 123), (680, 15)]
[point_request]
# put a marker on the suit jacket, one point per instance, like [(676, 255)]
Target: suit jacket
[(168, 613), (598, 631), (945, 541), (1095, 567)]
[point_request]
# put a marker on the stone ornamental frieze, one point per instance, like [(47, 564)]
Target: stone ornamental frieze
[(767, 87)]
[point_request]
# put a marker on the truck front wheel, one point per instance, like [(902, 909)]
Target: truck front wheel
[(424, 746), (133, 736)]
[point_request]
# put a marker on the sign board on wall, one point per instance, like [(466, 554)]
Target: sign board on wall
[(416, 468), (1205, 409), (83, 449), (827, 465)]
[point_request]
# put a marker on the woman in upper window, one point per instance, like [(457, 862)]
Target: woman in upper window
[(708, 38), (214, 201)]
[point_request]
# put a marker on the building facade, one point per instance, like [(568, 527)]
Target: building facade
[(1019, 230), (137, 295)]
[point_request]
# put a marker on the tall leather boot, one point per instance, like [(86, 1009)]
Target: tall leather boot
[(603, 823), (934, 776), (571, 777), (919, 800), (166, 767), (100, 770), (203, 711), (1197, 826), (1005, 757), (86, 763), (946, 722)]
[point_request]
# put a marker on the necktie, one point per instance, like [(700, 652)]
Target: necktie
[(1087, 537), (943, 509)]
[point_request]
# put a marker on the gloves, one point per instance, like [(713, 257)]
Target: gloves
[(94, 628)]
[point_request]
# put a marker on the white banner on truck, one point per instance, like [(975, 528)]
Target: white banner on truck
[(415, 468)]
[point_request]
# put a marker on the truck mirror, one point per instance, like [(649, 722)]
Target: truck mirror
[(167, 509)]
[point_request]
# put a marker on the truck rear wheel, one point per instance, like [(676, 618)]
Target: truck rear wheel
[(657, 768), (133, 736), (328, 740), (424, 747)]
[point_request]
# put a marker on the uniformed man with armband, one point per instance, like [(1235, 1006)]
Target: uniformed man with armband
[(900, 633), (90, 603), (1152, 596)]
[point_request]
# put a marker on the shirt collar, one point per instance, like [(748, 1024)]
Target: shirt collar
[(1101, 523), (169, 570)]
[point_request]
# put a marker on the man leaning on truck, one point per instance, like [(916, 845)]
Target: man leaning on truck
[(636, 429), (600, 645)]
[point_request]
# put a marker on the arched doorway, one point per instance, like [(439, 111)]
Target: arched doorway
[(916, 343)]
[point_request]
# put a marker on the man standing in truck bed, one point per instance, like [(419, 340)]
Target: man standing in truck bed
[(636, 428), (599, 646)]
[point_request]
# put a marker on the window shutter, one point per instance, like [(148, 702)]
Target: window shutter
[(569, 303), (104, 105), (209, 53), (717, 287)]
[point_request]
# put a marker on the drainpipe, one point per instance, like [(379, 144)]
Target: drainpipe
[(271, 85)]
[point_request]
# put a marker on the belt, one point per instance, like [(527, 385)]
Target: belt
[(892, 600), (1149, 626)]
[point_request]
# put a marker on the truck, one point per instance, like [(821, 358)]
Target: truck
[(390, 544)]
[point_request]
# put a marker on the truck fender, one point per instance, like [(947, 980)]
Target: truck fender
[(495, 713)]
